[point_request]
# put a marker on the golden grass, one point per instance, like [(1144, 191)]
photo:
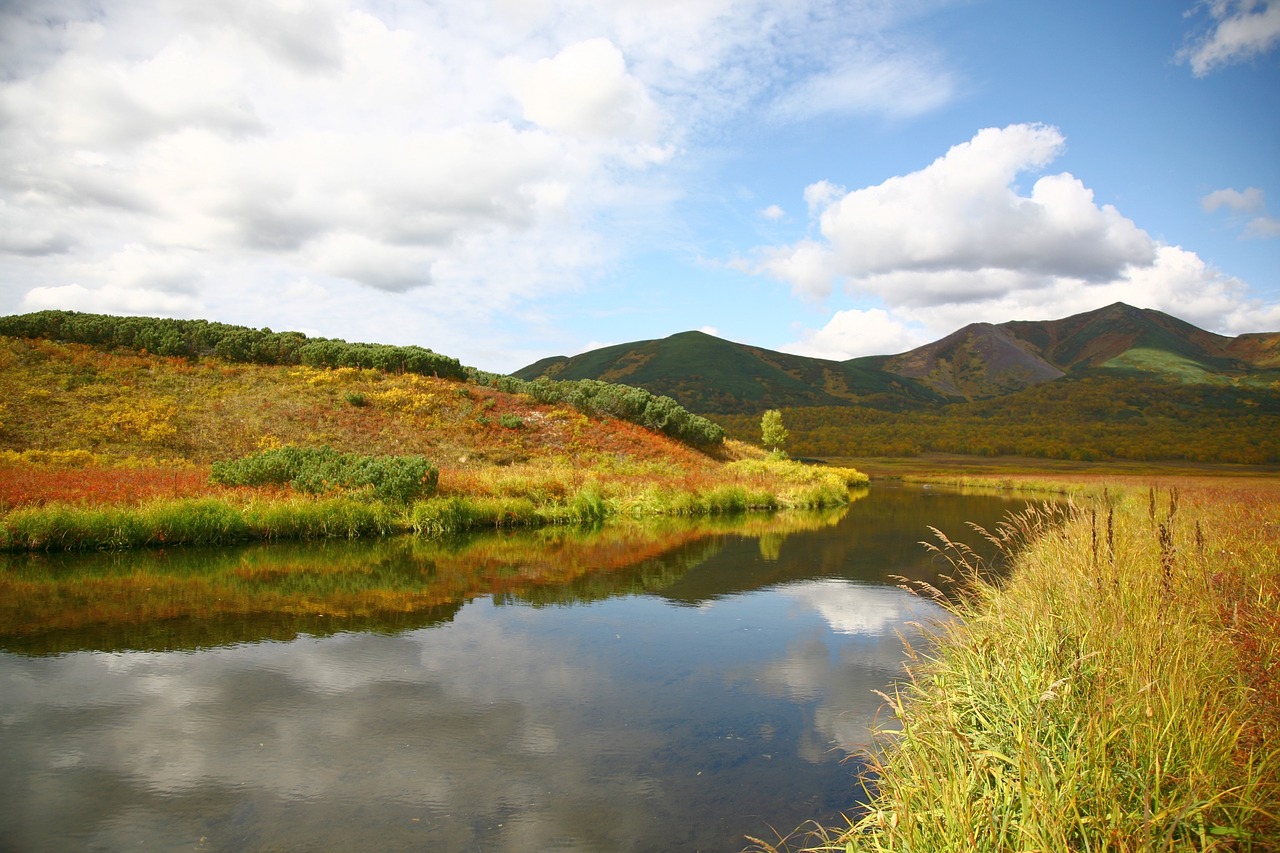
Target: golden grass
[(1120, 691)]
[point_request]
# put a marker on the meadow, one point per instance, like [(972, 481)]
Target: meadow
[(1117, 690), (106, 449)]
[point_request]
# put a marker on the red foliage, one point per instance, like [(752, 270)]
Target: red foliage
[(33, 485)]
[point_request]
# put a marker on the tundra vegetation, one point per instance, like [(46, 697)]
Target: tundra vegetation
[(156, 432), (1094, 418), (1117, 690)]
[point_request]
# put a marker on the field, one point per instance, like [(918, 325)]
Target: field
[(1118, 691), (110, 449)]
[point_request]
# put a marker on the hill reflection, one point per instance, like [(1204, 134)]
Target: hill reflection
[(201, 597)]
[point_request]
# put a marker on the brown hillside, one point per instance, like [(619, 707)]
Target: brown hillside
[(980, 360)]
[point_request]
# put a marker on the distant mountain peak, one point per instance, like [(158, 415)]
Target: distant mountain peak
[(980, 360)]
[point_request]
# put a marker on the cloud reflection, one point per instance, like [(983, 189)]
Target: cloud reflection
[(863, 652), (596, 727)]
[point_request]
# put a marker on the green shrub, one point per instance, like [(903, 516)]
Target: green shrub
[(607, 399), (322, 469), (197, 338)]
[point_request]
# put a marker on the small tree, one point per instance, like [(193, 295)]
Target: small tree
[(773, 433)]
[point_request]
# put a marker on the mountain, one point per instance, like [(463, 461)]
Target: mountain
[(979, 361), (715, 375)]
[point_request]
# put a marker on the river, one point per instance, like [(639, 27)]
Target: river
[(672, 685)]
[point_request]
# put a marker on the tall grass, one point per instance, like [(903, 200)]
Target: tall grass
[(198, 521), (533, 494), (1117, 693)]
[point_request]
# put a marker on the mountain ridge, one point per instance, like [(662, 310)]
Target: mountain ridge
[(978, 361)]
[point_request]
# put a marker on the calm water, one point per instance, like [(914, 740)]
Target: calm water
[(671, 687)]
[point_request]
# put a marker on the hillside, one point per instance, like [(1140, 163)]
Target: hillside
[(103, 448), (60, 397), (979, 361), (707, 374)]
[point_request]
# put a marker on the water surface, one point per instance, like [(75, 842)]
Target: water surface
[(674, 686)]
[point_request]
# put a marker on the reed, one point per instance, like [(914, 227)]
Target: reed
[(1116, 693), (191, 521)]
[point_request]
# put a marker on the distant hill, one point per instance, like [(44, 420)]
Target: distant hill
[(705, 373), (980, 361)]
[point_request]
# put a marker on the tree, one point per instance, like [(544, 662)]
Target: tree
[(773, 433)]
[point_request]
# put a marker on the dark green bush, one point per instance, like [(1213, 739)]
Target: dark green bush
[(322, 469), (607, 399), (197, 338)]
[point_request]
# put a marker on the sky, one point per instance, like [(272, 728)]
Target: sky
[(504, 180)]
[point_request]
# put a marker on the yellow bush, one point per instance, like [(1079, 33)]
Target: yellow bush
[(151, 420)]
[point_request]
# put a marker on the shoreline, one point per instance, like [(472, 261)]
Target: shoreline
[(1119, 689)]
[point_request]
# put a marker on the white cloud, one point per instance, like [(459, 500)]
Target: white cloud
[(961, 226), (1241, 30), (895, 87), (853, 332), (773, 213), (958, 239), (1262, 226), (1249, 201), (585, 89), (110, 298), (487, 152), (1252, 200)]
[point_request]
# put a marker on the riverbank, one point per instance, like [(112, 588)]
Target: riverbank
[(86, 506), (1119, 691)]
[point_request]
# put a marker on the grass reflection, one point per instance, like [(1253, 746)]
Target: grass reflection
[(196, 597)]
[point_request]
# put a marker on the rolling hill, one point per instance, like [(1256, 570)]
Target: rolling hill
[(978, 362)]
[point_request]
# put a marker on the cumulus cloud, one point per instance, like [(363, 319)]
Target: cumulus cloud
[(961, 220), (959, 239), (1241, 30), (481, 152), (584, 89), (854, 332), (773, 213)]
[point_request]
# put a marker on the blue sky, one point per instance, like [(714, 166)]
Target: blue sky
[(503, 180)]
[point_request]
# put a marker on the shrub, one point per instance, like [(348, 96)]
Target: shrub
[(606, 399), (323, 469)]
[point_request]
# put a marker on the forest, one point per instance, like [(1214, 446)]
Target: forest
[(1089, 419)]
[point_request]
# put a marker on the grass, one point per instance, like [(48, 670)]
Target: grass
[(538, 493), (191, 521), (1120, 691), (109, 450)]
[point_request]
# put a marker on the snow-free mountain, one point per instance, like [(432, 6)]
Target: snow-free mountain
[(980, 361)]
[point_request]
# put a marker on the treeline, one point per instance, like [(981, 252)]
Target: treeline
[(194, 339), (607, 399), (1096, 418)]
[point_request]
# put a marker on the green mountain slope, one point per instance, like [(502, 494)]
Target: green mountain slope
[(705, 373), (980, 361)]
